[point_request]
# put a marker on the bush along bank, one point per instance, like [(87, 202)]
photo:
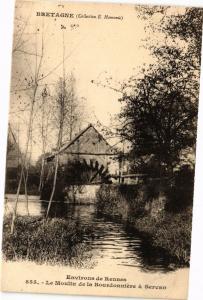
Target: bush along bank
[(56, 241), (144, 208)]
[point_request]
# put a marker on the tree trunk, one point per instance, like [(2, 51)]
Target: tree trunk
[(54, 186), (41, 182), (16, 202), (26, 194)]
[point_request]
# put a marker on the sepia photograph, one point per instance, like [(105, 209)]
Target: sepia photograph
[(101, 147)]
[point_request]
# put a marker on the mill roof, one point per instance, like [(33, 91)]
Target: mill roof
[(83, 133)]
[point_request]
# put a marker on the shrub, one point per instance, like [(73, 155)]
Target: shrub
[(116, 200), (54, 241), (172, 232)]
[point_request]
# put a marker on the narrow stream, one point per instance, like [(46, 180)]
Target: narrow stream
[(112, 243)]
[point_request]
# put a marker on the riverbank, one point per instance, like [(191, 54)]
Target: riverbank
[(57, 241), (169, 230)]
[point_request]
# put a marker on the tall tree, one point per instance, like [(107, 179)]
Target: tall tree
[(159, 111), (158, 118), (32, 85), (44, 128), (65, 119)]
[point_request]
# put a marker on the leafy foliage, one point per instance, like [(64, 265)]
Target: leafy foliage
[(159, 111), (158, 117)]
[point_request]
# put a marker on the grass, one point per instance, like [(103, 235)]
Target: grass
[(171, 232), (168, 230), (56, 241)]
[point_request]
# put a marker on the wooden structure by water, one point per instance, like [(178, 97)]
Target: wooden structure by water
[(93, 152)]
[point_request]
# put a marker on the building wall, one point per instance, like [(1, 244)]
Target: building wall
[(88, 145)]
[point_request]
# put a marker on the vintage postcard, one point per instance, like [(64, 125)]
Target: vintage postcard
[(101, 149)]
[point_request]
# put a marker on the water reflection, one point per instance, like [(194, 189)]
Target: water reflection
[(111, 242)]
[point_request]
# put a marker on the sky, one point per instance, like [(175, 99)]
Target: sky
[(93, 49)]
